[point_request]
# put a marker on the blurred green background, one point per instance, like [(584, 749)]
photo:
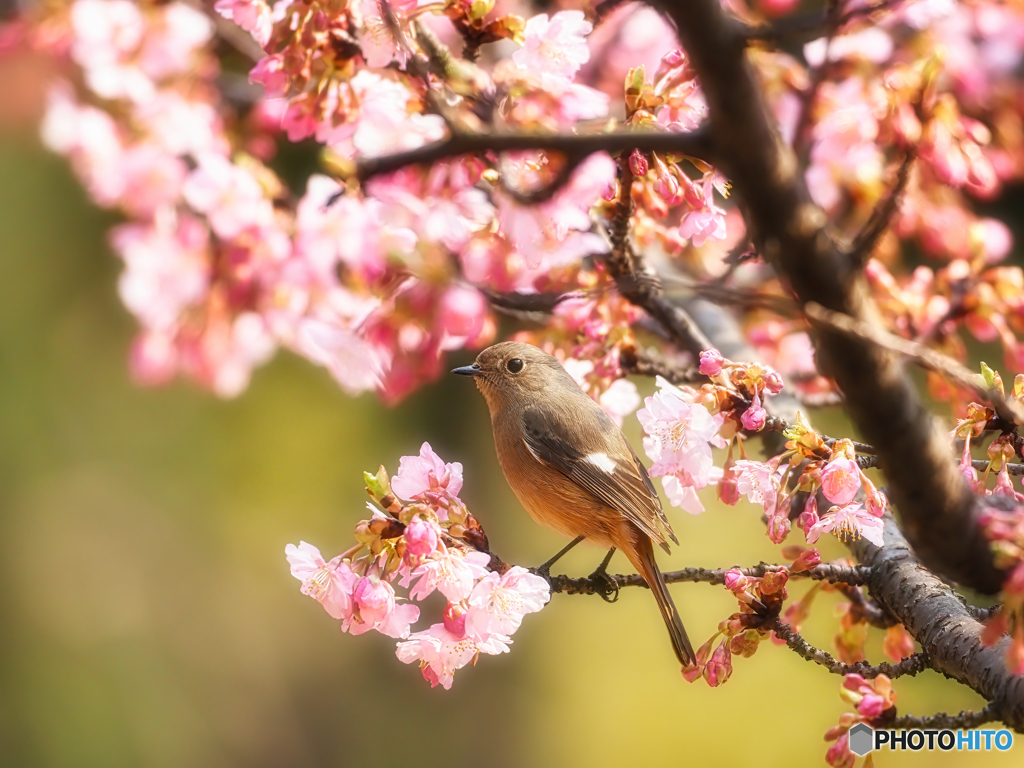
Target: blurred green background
[(147, 616)]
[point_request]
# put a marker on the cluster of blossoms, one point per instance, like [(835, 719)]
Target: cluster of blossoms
[(425, 543), (682, 425), (1002, 519), (874, 703)]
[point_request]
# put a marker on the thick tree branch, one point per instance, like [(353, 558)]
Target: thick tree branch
[(697, 143), (937, 508), (940, 621), (963, 720)]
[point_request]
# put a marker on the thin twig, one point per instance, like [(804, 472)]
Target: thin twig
[(697, 143), (917, 662), (867, 239), (546, 192), (814, 25), (830, 572), (637, 282), (1008, 410), (777, 424), (982, 464)]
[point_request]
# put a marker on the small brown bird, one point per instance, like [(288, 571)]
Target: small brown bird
[(571, 466)]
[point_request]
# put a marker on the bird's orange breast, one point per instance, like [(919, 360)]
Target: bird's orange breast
[(552, 499)]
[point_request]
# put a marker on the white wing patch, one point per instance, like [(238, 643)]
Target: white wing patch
[(532, 452), (602, 461)]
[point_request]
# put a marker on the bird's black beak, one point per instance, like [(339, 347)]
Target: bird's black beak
[(468, 370)]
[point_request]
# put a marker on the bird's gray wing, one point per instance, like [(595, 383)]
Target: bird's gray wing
[(586, 446)]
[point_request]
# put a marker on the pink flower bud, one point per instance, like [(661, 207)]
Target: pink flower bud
[(774, 581), (736, 581), (840, 480), (773, 382), (728, 489), (854, 682), (719, 667), (666, 185), (711, 362), (839, 754), (874, 500), (778, 522), (809, 558), (638, 163), (872, 705), (455, 620), (810, 514), (777, 7), (420, 537), (375, 600), (755, 416)]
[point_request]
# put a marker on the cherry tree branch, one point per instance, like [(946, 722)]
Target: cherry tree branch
[(940, 720), (941, 622), (911, 665), (638, 283), (697, 143), (936, 506), (867, 239), (831, 572), (1007, 410), (811, 26)]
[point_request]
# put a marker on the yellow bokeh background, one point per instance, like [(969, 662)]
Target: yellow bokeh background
[(147, 617)]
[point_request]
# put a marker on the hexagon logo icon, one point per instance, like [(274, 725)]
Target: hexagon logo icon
[(862, 739)]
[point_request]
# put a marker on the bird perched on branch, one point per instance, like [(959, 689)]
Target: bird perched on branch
[(571, 466)]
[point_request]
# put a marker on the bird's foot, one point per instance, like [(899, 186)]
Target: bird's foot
[(605, 585)]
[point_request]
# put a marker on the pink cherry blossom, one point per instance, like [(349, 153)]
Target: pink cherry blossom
[(555, 46), (426, 477), (850, 521), (499, 602), (254, 16), (167, 268), (356, 364), (441, 653), (374, 607), (451, 572), (679, 432), (840, 480), (228, 194), (759, 482), (679, 443), (329, 583), (619, 400)]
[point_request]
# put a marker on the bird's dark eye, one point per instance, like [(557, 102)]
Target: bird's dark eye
[(515, 365)]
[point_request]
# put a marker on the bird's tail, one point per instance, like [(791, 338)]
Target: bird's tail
[(644, 562)]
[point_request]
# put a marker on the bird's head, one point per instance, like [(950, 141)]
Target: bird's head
[(509, 372)]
